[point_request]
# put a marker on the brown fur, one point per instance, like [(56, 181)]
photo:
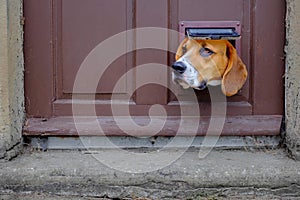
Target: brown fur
[(223, 65)]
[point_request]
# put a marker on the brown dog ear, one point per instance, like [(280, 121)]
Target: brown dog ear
[(181, 49), (235, 74)]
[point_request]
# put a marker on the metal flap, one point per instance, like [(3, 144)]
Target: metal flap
[(212, 33)]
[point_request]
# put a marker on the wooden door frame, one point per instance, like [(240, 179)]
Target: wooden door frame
[(40, 55)]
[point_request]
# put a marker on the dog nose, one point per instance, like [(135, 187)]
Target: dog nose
[(202, 85), (179, 67)]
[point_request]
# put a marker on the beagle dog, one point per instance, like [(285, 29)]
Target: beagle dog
[(209, 62)]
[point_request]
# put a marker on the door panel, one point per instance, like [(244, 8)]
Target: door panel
[(268, 57), (38, 55), (153, 13), (213, 10), (83, 27)]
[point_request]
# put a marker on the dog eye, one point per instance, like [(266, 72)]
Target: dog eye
[(205, 52)]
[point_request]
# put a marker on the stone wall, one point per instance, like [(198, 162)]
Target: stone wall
[(292, 76), (11, 77)]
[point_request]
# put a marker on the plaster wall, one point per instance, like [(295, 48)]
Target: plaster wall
[(292, 77), (11, 77)]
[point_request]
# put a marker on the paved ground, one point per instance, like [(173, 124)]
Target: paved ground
[(113, 174), (56, 197)]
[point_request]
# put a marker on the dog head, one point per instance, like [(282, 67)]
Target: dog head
[(209, 62)]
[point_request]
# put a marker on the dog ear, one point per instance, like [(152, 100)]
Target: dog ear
[(181, 49), (235, 74)]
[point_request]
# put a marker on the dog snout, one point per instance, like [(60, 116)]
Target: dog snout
[(179, 67)]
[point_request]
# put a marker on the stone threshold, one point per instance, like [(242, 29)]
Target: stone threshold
[(152, 174)]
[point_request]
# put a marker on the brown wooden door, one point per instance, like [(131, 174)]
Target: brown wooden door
[(59, 34)]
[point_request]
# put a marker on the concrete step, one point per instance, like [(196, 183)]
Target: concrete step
[(151, 174)]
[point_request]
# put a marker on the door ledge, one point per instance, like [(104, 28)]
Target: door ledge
[(251, 125)]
